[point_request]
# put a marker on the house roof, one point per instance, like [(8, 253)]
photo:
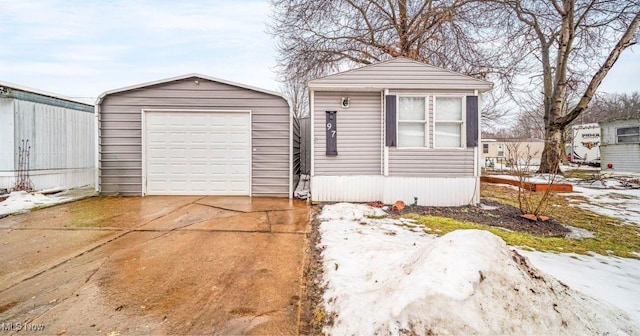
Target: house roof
[(399, 73), (5, 85), (191, 75), (635, 116), (511, 140)]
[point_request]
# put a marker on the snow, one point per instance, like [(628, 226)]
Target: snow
[(620, 203), (386, 276), (22, 201), (610, 279), (302, 189)]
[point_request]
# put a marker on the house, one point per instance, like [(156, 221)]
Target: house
[(620, 144), (502, 150), (46, 140), (194, 135), (396, 130)]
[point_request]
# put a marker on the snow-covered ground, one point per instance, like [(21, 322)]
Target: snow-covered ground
[(620, 203), (21, 201), (386, 276)]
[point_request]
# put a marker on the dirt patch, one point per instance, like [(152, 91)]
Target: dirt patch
[(492, 214), (314, 317)]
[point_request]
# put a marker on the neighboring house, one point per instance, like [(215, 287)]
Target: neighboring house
[(584, 147), (55, 131), (396, 130), (620, 144), (194, 135), (500, 150)]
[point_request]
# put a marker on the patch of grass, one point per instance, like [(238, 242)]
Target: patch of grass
[(612, 236), (376, 217)]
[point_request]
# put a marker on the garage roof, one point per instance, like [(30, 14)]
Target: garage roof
[(172, 79)]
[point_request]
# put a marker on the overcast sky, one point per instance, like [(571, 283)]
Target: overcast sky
[(81, 48)]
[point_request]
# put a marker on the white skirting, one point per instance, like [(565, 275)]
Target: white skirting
[(52, 179), (434, 191)]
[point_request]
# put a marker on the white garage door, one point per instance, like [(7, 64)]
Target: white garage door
[(198, 153)]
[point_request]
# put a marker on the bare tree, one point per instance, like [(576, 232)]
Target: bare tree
[(567, 42), (605, 106), (296, 93), (315, 37)]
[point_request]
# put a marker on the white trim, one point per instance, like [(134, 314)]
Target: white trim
[(172, 79), (312, 141), (462, 122), (96, 148), (424, 122), (144, 143), (384, 154), (42, 93), (291, 186)]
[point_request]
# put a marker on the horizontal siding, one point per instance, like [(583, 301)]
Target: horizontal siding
[(401, 73), (60, 138), (121, 133), (431, 162), (624, 157), (359, 134)]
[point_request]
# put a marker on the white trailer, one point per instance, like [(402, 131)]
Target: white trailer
[(585, 144)]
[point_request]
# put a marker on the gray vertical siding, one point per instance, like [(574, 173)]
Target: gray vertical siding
[(60, 138), (6, 135), (359, 134), (120, 131)]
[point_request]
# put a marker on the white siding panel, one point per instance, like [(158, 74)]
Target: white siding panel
[(624, 157), (432, 191), (347, 188), (429, 191), (359, 134)]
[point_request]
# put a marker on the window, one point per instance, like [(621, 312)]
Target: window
[(485, 148), (628, 134), (412, 121), (500, 150), (449, 122)]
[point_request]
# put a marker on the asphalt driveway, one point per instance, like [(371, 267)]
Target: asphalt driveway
[(155, 265)]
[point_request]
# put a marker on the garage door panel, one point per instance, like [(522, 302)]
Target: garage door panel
[(198, 153)]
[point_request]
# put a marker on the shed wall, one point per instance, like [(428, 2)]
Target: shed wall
[(120, 131), (6, 135), (625, 157), (359, 137), (60, 138)]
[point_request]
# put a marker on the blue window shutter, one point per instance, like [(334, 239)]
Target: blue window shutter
[(473, 128), (390, 121)]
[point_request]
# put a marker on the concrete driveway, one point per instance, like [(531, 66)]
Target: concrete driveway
[(155, 265)]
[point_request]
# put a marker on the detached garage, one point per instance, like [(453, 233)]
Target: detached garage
[(194, 135)]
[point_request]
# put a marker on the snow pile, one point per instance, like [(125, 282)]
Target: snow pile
[(22, 200), (610, 279), (383, 278)]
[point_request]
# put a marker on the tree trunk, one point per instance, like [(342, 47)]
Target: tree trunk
[(552, 154)]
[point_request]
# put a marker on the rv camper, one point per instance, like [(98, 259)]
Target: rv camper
[(585, 144)]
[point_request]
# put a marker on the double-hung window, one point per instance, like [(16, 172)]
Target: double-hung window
[(449, 122), (412, 122), (628, 134)]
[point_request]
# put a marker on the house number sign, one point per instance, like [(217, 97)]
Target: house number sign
[(332, 133)]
